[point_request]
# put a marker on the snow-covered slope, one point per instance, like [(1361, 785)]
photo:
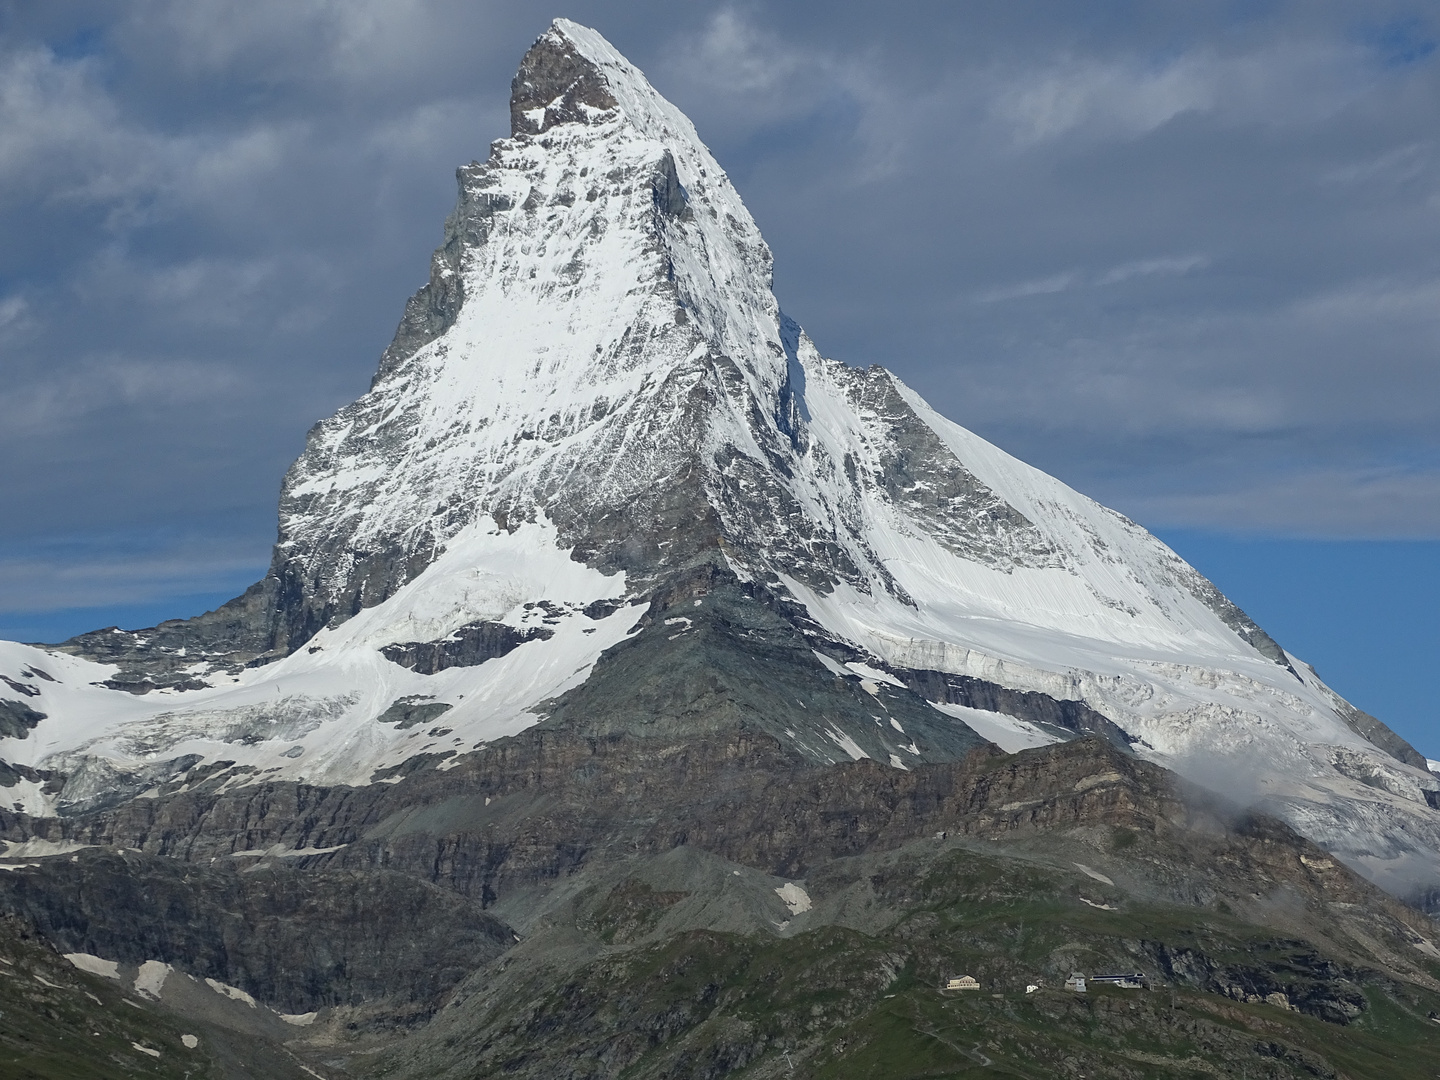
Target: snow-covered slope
[(597, 392)]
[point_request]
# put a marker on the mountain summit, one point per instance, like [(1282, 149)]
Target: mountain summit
[(601, 483)]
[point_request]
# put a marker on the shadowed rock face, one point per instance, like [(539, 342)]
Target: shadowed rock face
[(470, 645), (1375, 731), (297, 940), (556, 84), (17, 719), (539, 806), (975, 693)]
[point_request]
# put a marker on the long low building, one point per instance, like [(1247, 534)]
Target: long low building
[(1135, 981)]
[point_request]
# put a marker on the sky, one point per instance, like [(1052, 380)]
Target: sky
[(1184, 257)]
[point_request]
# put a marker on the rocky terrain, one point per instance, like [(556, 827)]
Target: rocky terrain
[(573, 904), (636, 692)]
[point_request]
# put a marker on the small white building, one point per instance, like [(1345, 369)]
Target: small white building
[(961, 982), (1030, 988), (1075, 982)]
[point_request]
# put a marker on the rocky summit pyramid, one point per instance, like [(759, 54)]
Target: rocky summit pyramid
[(636, 692), (601, 482)]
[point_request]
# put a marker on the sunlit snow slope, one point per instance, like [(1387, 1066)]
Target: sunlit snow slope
[(597, 392)]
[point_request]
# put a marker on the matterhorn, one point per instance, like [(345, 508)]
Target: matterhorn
[(616, 626)]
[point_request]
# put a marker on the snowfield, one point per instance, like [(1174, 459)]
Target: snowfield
[(326, 699)]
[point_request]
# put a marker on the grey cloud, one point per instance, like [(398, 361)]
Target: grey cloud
[(1036, 287), (14, 317), (60, 404), (91, 578), (1355, 504)]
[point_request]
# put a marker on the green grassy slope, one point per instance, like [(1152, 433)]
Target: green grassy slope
[(863, 1000)]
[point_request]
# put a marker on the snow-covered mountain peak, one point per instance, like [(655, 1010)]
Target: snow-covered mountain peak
[(573, 75), (598, 275), (593, 409)]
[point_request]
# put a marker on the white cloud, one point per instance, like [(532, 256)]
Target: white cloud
[(1035, 287), (1169, 265), (1164, 266), (15, 317), (59, 124), (1117, 98), (733, 51), (1293, 82), (1397, 165), (1380, 298), (280, 41), (67, 139), (737, 78)]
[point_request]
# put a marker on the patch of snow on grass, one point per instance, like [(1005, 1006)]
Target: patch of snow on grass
[(796, 898), (85, 961), (151, 978)]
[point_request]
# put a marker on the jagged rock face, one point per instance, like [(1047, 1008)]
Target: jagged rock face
[(301, 941), (595, 414), (556, 84), (528, 811)]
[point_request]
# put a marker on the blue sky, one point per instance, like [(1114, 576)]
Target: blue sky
[(1185, 257)]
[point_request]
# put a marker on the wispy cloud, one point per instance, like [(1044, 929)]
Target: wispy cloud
[(1164, 266), (1074, 279), (1036, 287), (742, 77), (1300, 81), (1375, 298), (1118, 98)]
